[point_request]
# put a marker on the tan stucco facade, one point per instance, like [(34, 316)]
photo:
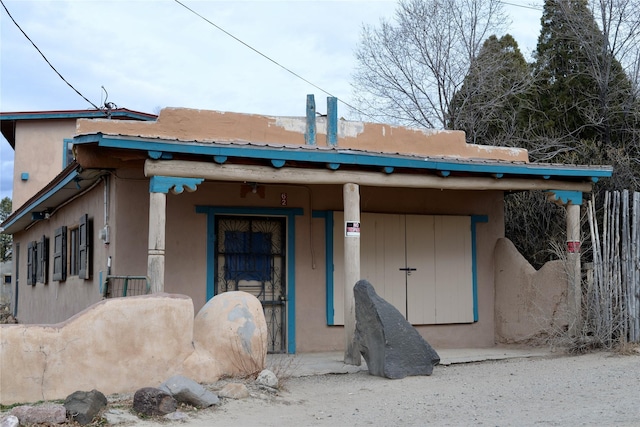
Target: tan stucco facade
[(123, 201), (39, 153), (34, 304), (203, 125), (186, 248), (531, 305)]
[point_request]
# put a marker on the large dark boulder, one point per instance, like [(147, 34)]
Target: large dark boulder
[(83, 406), (391, 346), (150, 401)]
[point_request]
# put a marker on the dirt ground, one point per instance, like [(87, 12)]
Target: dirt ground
[(598, 389)]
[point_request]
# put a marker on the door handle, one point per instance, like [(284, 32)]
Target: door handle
[(408, 270)]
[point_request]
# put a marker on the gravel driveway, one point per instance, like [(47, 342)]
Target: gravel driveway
[(599, 389)]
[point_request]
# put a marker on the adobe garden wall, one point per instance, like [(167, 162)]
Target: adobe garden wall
[(122, 344)]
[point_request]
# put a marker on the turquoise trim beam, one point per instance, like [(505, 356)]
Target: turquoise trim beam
[(346, 158), (475, 219), (328, 251), (211, 250), (565, 196), (65, 144), (157, 155), (290, 213), (162, 184), (332, 121), (291, 288), (310, 134)]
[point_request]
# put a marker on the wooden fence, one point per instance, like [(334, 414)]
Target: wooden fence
[(612, 291)]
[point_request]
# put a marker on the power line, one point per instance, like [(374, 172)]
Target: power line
[(45, 58), (268, 58), (521, 5)]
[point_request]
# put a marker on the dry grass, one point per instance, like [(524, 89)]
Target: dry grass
[(283, 366), (624, 348)]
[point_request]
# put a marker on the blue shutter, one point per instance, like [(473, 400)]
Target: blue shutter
[(31, 263), (42, 252), (84, 248), (60, 254)]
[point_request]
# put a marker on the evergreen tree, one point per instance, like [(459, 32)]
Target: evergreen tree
[(581, 93), (486, 106)]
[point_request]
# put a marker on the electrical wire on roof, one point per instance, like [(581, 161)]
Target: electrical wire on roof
[(45, 58), (270, 59), (106, 105)]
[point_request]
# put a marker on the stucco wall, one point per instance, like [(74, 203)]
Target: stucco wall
[(202, 125), (129, 223), (39, 152), (56, 301), (186, 249), (529, 304), (122, 344)]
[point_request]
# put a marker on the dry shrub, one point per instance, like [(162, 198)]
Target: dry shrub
[(251, 366), (625, 348), (284, 366)]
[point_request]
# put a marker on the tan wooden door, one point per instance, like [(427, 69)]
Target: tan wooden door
[(419, 263)]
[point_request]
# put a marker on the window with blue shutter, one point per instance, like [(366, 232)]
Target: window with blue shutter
[(60, 254), (42, 252), (84, 247), (31, 263)]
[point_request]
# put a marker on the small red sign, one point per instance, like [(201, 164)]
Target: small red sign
[(573, 247)]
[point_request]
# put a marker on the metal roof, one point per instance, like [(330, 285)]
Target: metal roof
[(336, 157), (8, 120), (74, 180)]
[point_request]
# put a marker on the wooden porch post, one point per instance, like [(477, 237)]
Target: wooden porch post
[(574, 291), (155, 258), (351, 195)]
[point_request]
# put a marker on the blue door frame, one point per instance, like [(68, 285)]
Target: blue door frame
[(290, 214)]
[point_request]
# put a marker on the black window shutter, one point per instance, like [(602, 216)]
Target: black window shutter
[(84, 247), (60, 254), (39, 261), (31, 263), (43, 259)]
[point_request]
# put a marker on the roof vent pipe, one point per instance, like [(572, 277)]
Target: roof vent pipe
[(332, 121), (310, 134)]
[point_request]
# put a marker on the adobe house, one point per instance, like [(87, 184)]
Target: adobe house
[(293, 210)]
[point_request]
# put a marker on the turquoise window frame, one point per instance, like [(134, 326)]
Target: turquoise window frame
[(290, 214)]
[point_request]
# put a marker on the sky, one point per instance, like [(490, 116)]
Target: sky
[(150, 54)]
